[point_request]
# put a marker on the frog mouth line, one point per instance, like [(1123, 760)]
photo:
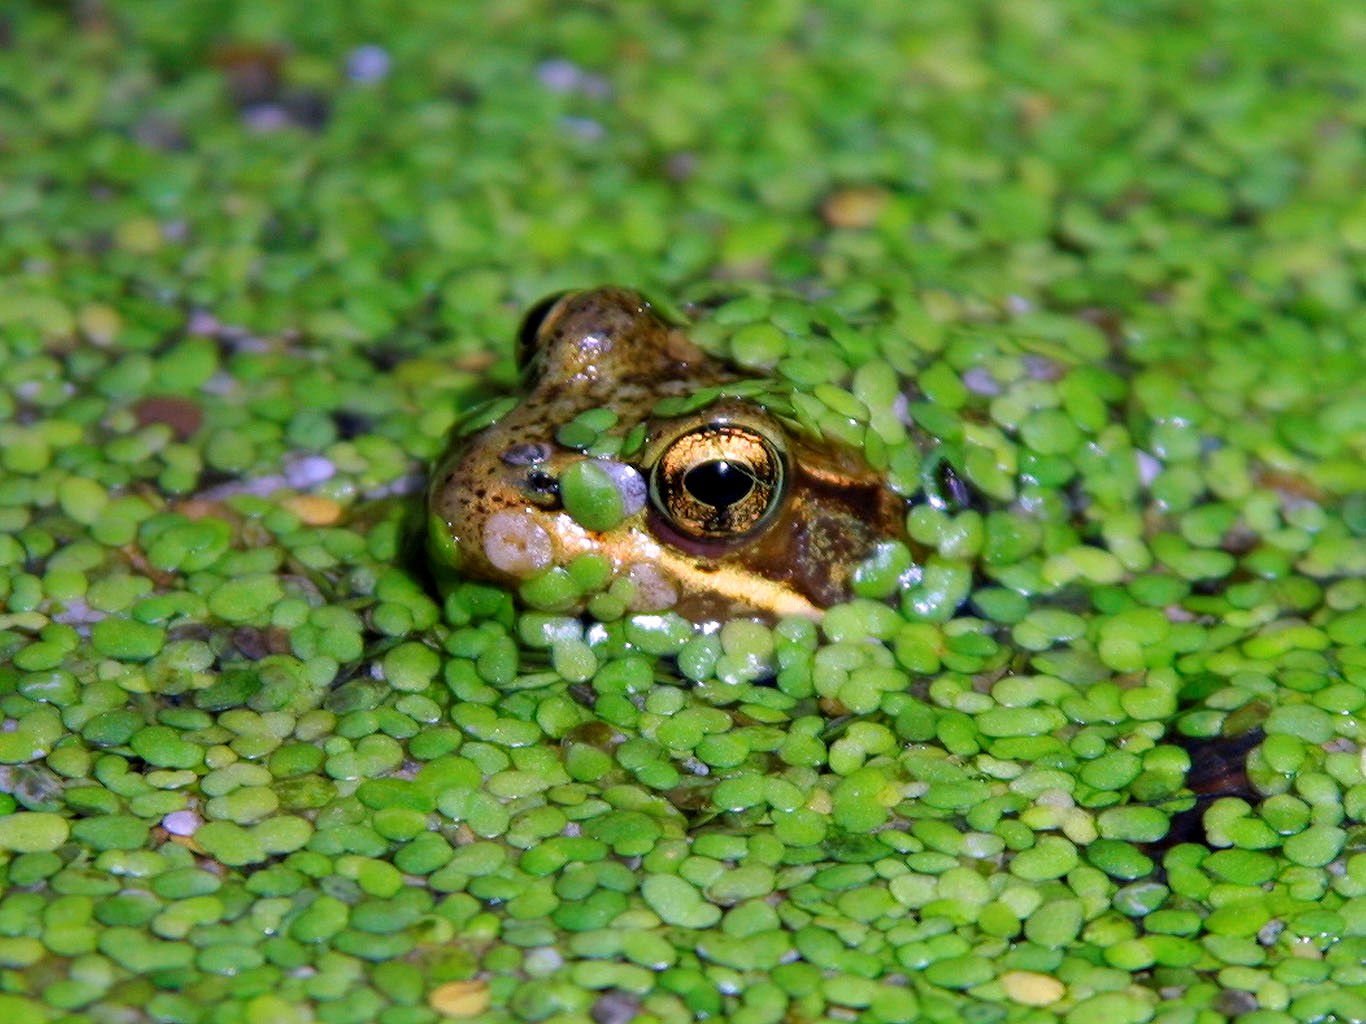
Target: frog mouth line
[(772, 597), (637, 546), (742, 588)]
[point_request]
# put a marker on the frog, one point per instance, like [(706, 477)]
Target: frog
[(725, 509)]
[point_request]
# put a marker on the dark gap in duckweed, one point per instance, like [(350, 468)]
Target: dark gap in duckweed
[(1084, 244)]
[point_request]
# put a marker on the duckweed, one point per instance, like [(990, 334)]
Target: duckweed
[(1084, 287)]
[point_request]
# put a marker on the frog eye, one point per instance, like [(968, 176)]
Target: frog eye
[(528, 335), (721, 481)]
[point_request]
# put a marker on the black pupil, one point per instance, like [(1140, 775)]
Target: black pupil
[(719, 483)]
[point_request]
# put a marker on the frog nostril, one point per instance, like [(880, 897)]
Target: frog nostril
[(542, 489)]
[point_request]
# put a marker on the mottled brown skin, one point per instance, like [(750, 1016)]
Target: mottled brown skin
[(607, 348)]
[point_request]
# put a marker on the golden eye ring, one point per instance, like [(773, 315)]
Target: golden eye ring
[(719, 481)]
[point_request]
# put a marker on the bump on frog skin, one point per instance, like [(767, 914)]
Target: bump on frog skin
[(494, 499)]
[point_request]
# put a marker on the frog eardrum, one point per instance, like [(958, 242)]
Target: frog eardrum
[(610, 486)]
